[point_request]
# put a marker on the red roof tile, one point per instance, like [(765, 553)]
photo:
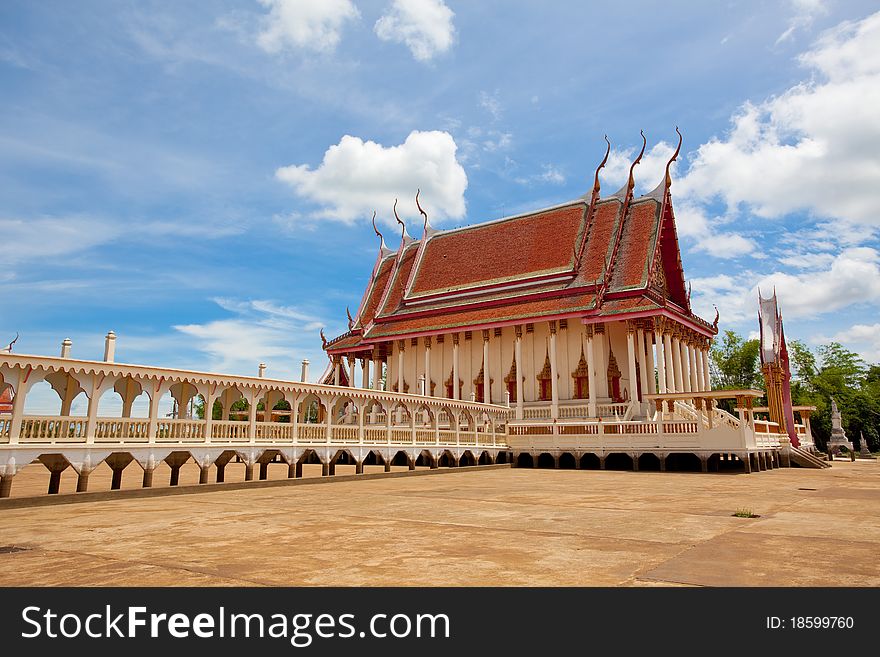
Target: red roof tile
[(598, 248), (499, 251), (398, 280), (374, 292), (636, 239)]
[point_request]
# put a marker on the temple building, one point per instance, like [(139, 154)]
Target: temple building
[(580, 310)]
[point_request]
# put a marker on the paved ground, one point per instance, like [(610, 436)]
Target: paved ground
[(507, 527)]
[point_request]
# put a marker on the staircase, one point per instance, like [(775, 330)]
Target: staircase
[(806, 460)]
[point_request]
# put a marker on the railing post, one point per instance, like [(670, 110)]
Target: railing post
[(17, 409), (252, 418), (153, 426), (361, 419), (209, 413), (328, 432), (92, 411)]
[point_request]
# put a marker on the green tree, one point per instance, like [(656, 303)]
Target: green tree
[(734, 363), (836, 372)]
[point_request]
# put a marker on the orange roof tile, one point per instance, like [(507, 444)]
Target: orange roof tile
[(499, 251)]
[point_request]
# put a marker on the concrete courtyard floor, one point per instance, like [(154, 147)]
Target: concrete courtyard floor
[(509, 527)]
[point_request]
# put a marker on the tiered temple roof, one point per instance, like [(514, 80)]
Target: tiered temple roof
[(591, 258)]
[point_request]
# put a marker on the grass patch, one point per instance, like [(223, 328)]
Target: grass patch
[(745, 513)]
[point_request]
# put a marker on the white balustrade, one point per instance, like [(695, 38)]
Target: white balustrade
[(52, 429), (180, 431), (122, 430)]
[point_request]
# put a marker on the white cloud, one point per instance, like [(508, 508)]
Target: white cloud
[(805, 12), (692, 222), (491, 104), (304, 24), (49, 237), (550, 175), (357, 177), (813, 148), (648, 172), (863, 338), (853, 276), (259, 331), (425, 26)]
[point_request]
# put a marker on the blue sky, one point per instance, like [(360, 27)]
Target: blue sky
[(199, 177)]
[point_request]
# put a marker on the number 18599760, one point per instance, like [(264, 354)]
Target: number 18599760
[(810, 623)]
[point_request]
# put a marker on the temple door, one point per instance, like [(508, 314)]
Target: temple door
[(614, 379)]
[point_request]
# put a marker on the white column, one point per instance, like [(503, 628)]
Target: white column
[(554, 388), (428, 366), (670, 362), (401, 347), (109, 347), (252, 415), (365, 372), (92, 411), (487, 388), (153, 429), (18, 408), (209, 413), (591, 372), (631, 362), (661, 361), (336, 363), (351, 376), (706, 372), (652, 384), (517, 355), (692, 355), (304, 372), (643, 366), (377, 372), (676, 365), (456, 393), (698, 358), (685, 366)]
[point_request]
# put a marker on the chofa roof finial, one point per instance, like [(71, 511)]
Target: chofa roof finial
[(323, 340), (601, 166), (632, 180), (350, 318), (376, 230), (8, 348), (403, 225), (717, 315), (673, 158), (424, 214)]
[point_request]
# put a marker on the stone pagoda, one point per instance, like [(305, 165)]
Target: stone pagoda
[(838, 435)]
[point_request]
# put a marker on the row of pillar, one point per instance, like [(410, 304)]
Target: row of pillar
[(682, 362), (118, 462)]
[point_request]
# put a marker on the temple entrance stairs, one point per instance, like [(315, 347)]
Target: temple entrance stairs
[(804, 459)]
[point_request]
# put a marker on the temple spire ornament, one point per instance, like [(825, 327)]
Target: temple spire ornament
[(594, 198), (378, 234), (625, 192), (403, 234), (775, 366), (661, 191), (424, 214), (8, 348)]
